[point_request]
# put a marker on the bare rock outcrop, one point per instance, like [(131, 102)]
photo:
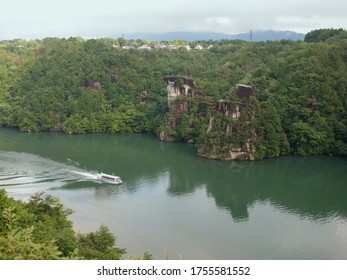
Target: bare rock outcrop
[(90, 84), (229, 133)]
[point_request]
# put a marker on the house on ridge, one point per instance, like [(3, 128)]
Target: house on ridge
[(145, 47)]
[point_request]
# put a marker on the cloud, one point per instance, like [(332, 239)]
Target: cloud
[(91, 18)]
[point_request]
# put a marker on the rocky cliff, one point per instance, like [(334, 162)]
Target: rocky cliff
[(180, 86), (221, 129)]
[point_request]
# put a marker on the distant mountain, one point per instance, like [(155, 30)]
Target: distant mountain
[(270, 35)]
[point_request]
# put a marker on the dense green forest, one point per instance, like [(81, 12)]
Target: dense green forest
[(40, 230), (298, 102)]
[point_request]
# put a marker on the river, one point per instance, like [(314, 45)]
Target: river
[(179, 206)]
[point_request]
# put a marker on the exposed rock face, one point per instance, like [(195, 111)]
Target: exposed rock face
[(229, 133), (181, 107), (233, 110), (243, 92), (177, 86), (176, 80), (225, 107), (92, 85), (172, 123), (143, 96), (113, 78), (165, 137), (210, 125)]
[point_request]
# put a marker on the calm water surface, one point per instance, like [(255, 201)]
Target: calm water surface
[(176, 204)]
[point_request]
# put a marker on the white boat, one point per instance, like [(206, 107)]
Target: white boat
[(111, 179)]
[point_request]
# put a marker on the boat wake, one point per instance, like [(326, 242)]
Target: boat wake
[(93, 175), (23, 173)]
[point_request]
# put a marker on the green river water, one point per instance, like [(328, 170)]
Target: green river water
[(174, 204)]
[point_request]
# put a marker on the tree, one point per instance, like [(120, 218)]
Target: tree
[(69, 85), (325, 34), (40, 229), (99, 245), (305, 140), (18, 244)]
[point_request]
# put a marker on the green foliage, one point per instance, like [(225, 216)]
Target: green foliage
[(275, 142), (50, 220), (4, 204), (40, 229), (146, 256), (325, 34), (90, 86), (99, 245), (18, 244), (306, 140)]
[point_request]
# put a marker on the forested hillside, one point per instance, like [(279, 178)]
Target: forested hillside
[(298, 101), (40, 230)]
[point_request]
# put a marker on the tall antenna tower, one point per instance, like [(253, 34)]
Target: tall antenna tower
[(251, 35)]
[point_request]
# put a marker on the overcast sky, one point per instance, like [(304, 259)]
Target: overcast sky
[(30, 19)]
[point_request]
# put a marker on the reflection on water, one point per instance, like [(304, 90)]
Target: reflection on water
[(310, 187), (286, 208)]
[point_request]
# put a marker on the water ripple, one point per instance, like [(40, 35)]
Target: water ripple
[(25, 170)]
